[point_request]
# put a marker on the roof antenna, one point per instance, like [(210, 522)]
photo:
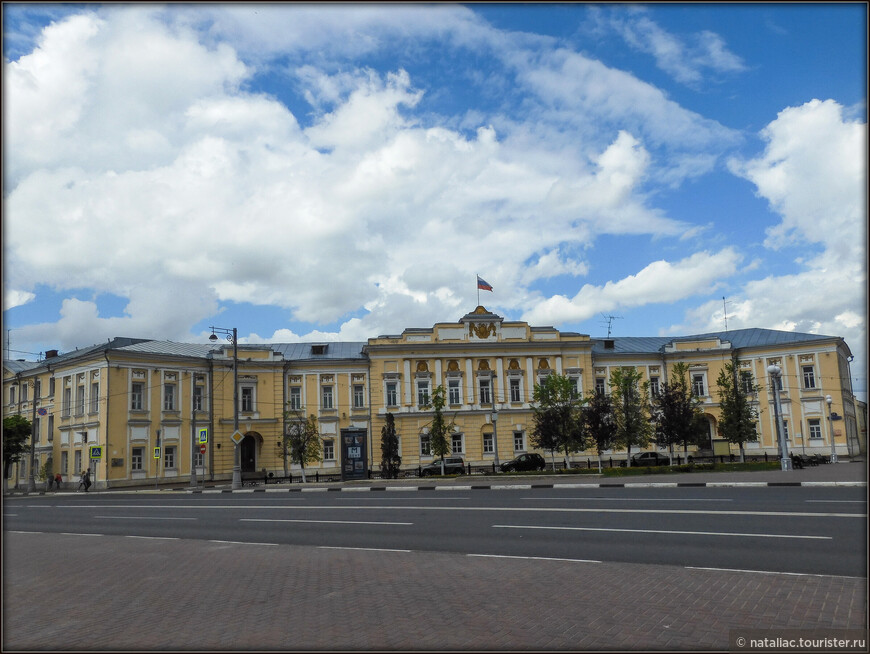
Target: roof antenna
[(610, 320), (725, 309)]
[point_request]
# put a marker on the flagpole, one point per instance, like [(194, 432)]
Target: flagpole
[(478, 291)]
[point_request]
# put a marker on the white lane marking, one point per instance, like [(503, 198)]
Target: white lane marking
[(69, 533), (634, 499), (137, 517), (664, 531), (773, 572), (839, 501), (324, 522), (543, 509), (154, 537), (532, 558), (359, 549), (239, 542), (380, 499), (13, 531)]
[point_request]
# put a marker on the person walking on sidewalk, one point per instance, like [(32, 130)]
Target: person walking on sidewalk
[(85, 480), (57, 480)]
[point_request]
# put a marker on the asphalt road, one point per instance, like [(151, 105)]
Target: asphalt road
[(790, 529)]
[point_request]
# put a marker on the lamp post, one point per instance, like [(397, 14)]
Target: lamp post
[(31, 479), (494, 416), (775, 373), (233, 337), (829, 400)]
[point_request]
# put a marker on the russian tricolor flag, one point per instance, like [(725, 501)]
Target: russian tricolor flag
[(483, 285)]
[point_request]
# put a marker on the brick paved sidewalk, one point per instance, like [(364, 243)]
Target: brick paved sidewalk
[(73, 593)]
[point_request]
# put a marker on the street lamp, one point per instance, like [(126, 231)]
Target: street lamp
[(829, 400), (494, 416), (775, 373), (233, 337), (31, 480)]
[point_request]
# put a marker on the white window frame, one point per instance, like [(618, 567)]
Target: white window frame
[(170, 399), (137, 458), (328, 449), (655, 388), (454, 391), (359, 396), (457, 444), (391, 393), (424, 392), (295, 398), (814, 428), (248, 393), (327, 396), (519, 439), (170, 457), (488, 443), (425, 445), (515, 384), (80, 399), (809, 377), (699, 383), (484, 390), (601, 385), (95, 397), (137, 397)]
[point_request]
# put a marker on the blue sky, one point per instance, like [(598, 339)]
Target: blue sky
[(322, 172)]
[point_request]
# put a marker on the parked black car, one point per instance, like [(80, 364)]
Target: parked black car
[(452, 466), (530, 461), (650, 459)]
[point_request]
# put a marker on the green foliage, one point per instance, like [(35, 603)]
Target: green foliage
[(391, 462), (558, 420), (44, 471), (16, 432), (737, 416), (600, 423), (631, 410), (303, 440), (676, 412), (440, 429)]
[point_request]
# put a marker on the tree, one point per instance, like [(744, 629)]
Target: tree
[(16, 432), (600, 424), (303, 440), (440, 428), (391, 462), (558, 422), (630, 410), (737, 417), (676, 412)]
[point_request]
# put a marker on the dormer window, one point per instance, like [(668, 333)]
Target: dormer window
[(318, 349)]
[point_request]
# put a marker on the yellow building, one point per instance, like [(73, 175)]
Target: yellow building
[(157, 410)]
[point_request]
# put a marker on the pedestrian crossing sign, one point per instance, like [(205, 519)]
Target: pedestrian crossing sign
[(203, 435), (156, 452), (96, 451)]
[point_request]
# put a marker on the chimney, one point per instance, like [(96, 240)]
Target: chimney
[(608, 345), (50, 354)]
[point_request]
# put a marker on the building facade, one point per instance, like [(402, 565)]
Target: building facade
[(159, 411)]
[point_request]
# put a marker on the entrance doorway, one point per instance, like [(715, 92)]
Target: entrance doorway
[(248, 453)]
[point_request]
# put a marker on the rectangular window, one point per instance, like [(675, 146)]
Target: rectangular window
[(38, 393), (600, 386), (169, 397), (198, 394), (785, 429), (516, 395), (654, 388), (247, 398), (698, 385), (326, 397), (329, 450), (422, 393), (169, 458), (456, 444), (392, 394), (746, 382), (488, 444), (485, 391), (64, 463), (425, 445), (453, 395), (67, 401), (519, 442), (576, 390), (24, 390), (198, 459), (95, 397), (359, 396), (80, 400), (51, 386), (295, 398), (36, 426), (815, 428), (50, 428), (78, 462), (11, 395), (809, 377), (137, 457), (137, 391)]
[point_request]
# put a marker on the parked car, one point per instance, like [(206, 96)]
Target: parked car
[(529, 461), (650, 459), (453, 465)]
